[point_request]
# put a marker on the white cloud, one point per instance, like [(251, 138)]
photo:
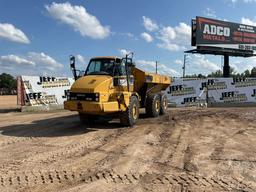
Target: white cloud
[(150, 66), (10, 32), (30, 64), (44, 61), (14, 61), (172, 38), (210, 12), (167, 33), (80, 59), (200, 63), (147, 37), (240, 65), (127, 35), (178, 61), (183, 29), (248, 21), (149, 24), (78, 18), (124, 52), (171, 46), (175, 38)]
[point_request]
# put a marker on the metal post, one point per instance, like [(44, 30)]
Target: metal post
[(156, 67), (127, 73), (207, 94), (184, 65), (226, 67)]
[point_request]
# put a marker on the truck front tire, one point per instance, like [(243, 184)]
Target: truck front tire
[(131, 115), (164, 104), (153, 105)]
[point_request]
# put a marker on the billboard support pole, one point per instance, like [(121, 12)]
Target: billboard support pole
[(184, 66), (226, 67)]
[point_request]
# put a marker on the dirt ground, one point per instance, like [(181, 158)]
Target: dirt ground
[(8, 101), (184, 150)]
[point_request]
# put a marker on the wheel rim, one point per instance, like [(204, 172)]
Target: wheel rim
[(157, 105), (135, 112)]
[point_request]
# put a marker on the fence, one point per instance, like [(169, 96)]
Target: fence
[(46, 92), (214, 91)]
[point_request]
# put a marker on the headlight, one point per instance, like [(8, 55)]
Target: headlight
[(68, 95), (97, 97)]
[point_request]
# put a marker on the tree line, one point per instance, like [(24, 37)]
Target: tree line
[(247, 73), (8, 84)]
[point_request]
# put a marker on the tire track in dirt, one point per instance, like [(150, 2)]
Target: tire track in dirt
[(30, 135), (80, 148), (143, 137), (183, 181), (18, 140), (169, 138), (178, 155), (191, 181), (115, 148)]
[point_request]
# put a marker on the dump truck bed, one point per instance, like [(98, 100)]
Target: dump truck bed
[(144, 78)]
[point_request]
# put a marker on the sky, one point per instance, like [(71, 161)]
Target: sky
[(37, 37)]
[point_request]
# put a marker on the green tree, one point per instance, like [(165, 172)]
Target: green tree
[(217, 73), (247, 73), (201, 76), (253, 72), (7, 81), (232, 72), (191, 76)]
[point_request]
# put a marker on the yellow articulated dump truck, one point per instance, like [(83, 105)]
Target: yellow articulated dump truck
[(114, 87)]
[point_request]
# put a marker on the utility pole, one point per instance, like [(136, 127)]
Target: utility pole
[(156, 67), (184, 65)]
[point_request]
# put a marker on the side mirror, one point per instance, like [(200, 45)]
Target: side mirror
[(72, 62)]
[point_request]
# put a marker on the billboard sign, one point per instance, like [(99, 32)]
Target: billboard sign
[(45, 90), (216, 33)]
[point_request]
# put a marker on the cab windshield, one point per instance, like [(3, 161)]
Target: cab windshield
[(110, 67)]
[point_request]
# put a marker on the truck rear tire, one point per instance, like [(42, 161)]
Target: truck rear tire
[(131, 115), (164, 104), (86, 118), (153, 105)]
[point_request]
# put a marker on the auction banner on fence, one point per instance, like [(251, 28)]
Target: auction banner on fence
[(189, 92), (216, 33), (45, 90)]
